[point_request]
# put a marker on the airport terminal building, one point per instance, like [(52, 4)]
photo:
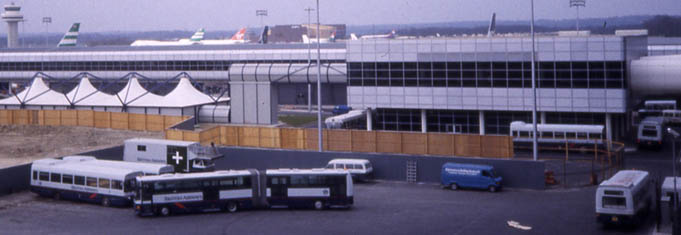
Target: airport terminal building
[(454, 84)]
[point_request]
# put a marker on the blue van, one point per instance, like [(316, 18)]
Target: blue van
[(455, 175)]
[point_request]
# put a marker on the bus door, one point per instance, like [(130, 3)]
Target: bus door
[(279, 189)]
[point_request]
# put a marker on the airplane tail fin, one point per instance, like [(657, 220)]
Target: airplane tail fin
[(306, 39), (332, 38), (240, 34), (392, 34), (71, 37), (263, 36), (491, 30), (353, 36), (198, 36)]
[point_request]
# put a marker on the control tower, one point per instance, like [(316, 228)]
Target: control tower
[(13, 17)]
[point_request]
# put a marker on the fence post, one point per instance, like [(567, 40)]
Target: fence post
[(565, 165)]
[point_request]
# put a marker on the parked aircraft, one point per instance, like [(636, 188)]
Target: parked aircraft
[(195, 39), (375, 36)]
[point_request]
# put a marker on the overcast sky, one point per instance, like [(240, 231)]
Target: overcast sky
[(145, 15)]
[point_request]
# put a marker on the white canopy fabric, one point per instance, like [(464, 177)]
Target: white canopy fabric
[(185, 95), (37, 94), (85, 94), (134, 95)]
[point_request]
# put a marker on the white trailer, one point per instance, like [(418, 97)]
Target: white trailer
[(185, 156)]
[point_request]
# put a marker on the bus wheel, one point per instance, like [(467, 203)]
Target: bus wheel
[(492, 189), (56, 196), (106, 202), (232, 207), (318, 205), (165, 211), (453, 187)]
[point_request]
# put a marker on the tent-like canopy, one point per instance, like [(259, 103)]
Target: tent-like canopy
[(134, 95), (85, 94), (185, 95), (37, 94)]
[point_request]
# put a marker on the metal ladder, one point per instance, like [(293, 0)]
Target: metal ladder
[(411, 171)]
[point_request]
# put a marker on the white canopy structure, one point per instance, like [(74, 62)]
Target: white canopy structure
[(86, 96), (133, 98), (37, 96)]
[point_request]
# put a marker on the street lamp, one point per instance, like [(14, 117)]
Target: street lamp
[(309, 85), (47, 21), (577, 4), (676, 136), (534, 89), (261, 13), (319, 87)]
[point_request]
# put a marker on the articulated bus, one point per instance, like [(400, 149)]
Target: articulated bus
[(72, 180), (243, 189), (146, 168), (557, 134)]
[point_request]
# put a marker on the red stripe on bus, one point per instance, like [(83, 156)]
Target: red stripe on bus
[(92, 196), (179, 205)]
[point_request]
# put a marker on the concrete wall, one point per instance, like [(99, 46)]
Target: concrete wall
[(516, 173)]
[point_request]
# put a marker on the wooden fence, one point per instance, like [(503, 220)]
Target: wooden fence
[(352, 141), (89, 118)]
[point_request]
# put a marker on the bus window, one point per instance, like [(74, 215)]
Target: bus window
[(116, 184), (299, 180), (92, 182), (55, 177), (329, 166), (350, 166), (67, 179), (614, 202), (230, 182), (340, 166), (275, 180), (79, 180), (570, 135), (358, 166), (44, 176), (559, 135), (35, 175), (103, 183)]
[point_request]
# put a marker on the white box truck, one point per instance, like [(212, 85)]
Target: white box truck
[(185, 156)]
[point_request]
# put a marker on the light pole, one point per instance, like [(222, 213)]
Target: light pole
[(47, 21), (577, 4), (675, 135), (309, 85), (534, 90), (262, 14), (319, 87)]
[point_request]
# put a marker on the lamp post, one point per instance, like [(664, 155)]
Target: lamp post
[(534, 89), (577, 4), (47, 21), (262, 14), (675, 136), (309, 85), (319, 87)]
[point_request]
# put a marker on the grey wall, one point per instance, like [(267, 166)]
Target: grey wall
[(516, 173), (253, 102), (332, 94)]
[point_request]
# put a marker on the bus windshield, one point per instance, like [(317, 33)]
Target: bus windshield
[(649, 133), (614, 202)]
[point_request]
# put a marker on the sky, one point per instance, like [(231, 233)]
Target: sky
[(148, 15)]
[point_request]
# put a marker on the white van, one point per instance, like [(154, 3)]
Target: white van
[(624, 198), (360, 169), (650, 132)]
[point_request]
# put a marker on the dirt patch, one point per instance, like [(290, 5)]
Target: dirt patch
[(21, 144)]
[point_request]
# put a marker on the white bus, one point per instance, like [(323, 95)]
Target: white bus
[(672, 116), (557, 133), (233, 190), (146, 168), (655, 107), (650, 132), (72, 180), (624, 198)]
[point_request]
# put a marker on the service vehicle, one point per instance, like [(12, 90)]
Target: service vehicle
[(650, 132), (185, 156), (625, 198), (458, 175), (233, 190), (360, 169)]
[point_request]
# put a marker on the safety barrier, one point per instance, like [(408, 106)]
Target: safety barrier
[(89, 118), (352, 141)]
